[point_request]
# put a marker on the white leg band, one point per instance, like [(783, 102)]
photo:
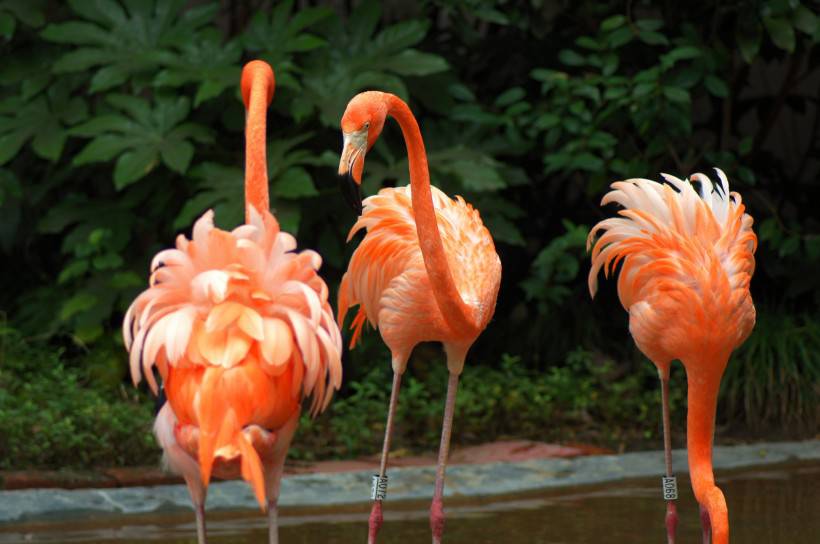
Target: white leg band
[(378, 488), (670, 488)]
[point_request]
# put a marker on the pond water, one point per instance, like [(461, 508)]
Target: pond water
[(775, 505)]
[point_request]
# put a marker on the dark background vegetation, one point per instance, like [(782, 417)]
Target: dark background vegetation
[(121, 122)]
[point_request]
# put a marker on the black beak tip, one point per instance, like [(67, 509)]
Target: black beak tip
[(159, 402), (352, 192)]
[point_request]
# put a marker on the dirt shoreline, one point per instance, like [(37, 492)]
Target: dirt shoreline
[(107, 478)]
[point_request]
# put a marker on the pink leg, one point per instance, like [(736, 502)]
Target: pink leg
[(376, 519), (706, 524), (273, 475), (273, 521), (671, 509), (200, 524), (437, 507), (198, 493), (671, 521)]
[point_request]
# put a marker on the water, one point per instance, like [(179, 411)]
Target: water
[(777, 505)]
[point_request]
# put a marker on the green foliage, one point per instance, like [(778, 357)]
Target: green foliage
[(121, 122), (126, 41), (357, 57), (62, 411), (556, 266), (52, 417), (138, 136), (588, 398), (774, 378)]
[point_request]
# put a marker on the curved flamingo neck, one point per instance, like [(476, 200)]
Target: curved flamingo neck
[(456, 313), (703, 385), (257, 92)]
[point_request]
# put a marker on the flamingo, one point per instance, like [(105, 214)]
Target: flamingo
[(688, 259), (239, 327), (426, 270)]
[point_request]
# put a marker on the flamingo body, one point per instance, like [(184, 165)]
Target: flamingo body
[(387, 277), (688, 259), (239, 327)]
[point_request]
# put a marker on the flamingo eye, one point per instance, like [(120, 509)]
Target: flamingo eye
[(366, 125)]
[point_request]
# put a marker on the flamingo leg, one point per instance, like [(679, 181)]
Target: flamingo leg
[(706, 525), (198, 494), (273, 521), (671, 508), (273, 475), (437, 506), (201, 534), (376, 518)]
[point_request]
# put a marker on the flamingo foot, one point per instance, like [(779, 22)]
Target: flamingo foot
[(437, 519), (671, 521), (375, 522), (706, 524)]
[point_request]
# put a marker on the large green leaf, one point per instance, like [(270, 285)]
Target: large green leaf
[(141, 136), (221, 187), (781, 31), (41, 120), (278, 37), (218, 187), (29, 12), (805, 20), (129, 38), (208, 62), (358, 58), (294, 182)]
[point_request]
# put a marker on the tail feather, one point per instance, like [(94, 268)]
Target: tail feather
[(211, 422), (220, 427), (252, 468), (356, 326), (346, 301)]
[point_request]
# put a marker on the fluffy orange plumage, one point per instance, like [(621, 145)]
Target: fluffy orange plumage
[(240, 329), (239, 326), (387, 278), (686, 256), (688, 259)]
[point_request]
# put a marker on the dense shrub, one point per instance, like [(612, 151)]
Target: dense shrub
[(120, 122), (51, 418)]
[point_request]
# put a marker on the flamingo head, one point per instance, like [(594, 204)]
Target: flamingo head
[(362, 123)]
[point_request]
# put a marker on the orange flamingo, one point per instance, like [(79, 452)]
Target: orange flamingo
[(239, 326), (419, 243), (688, 259)]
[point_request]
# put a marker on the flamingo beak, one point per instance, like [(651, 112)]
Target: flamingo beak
[(351, 165), (161, 399), (352, 193)]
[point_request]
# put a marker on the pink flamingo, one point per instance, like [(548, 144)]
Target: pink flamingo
[(239, 326), (426, 270)]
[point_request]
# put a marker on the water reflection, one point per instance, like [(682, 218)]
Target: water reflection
[(772, 506)]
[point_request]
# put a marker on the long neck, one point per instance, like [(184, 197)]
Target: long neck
[(704, 383), (458, 315), (256, 166)]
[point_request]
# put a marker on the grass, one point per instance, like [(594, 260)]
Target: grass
[(774, 378)]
